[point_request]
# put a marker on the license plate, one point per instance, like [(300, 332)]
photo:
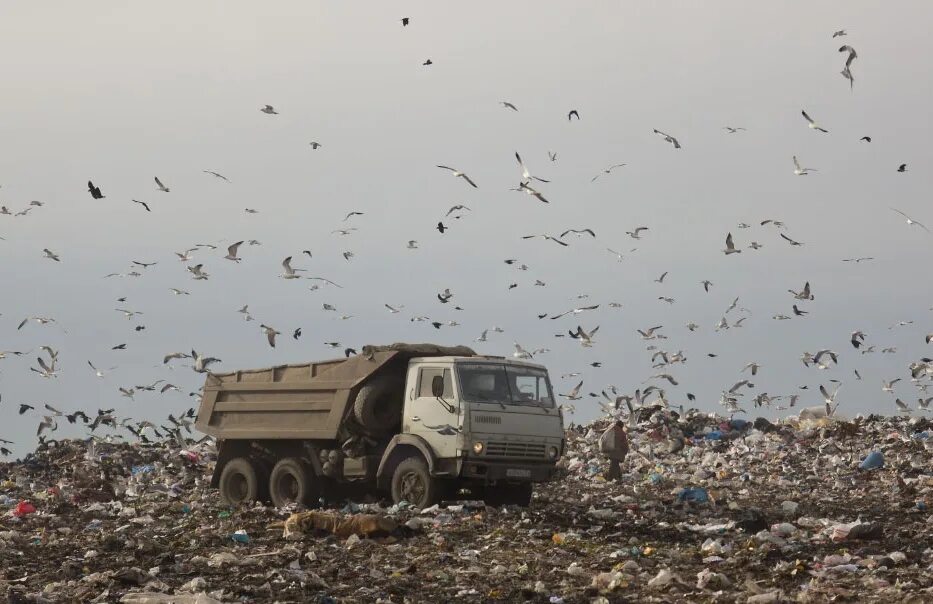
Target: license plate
[(517, 473)]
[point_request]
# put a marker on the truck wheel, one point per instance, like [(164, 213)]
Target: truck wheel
[(509, 494), (378, 405), (412, 482), (289, 482), (238, 482)]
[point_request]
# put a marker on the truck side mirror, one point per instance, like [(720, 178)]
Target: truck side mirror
[(437, 386)]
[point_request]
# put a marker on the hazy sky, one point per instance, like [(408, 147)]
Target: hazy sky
[(120, 93)]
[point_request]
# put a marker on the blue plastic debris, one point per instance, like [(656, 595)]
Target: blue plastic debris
[(694, 494), (872, 461), (240, 536), (714, 435)]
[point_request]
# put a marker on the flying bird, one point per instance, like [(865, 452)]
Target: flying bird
[(607, 171), (811, 124), (534, 193), (268, 109), (143, 204), (801, 171), (526, 175), (789, 240), (232, 250), (573, 113), (852, 54), (902, 168), (161, 187), (290, 273), (459, 174), (730, 246), (94, 191), (216, 174), (668, 138), (839, 33), (911, 221), (545, 237), (270, 334), (508, 105)]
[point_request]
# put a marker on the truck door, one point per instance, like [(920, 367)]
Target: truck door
[(436, 419)]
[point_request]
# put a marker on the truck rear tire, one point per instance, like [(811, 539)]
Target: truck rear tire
[(509, 494), (238, 482), (289, 482), (378, 405), (412, 482)]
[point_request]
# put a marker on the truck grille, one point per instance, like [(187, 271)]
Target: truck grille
[(514, 449), (487, 419)]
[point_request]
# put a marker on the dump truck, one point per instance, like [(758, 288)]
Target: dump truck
[(419, 422)]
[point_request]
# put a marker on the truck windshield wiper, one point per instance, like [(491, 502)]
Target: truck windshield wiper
[(485, 399)]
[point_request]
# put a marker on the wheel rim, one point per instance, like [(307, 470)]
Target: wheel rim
[(412, 488), (239, 487), (287, 487)]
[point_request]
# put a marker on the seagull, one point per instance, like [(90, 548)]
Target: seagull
[(803, 294), (858, 338), (661, 278), (799, 312), (668, 138), (790, 241), (911, 221), (174, 355), (521, 353), (901, 406), (574, 395), (852, 54), (576, 311), (94, 191), (47, 423), (586, 339), (730, 247), (545, 237), (394, 310), (129, 314), (839, 33), (39, 320), (618, 255), (526, 175), (636, 234), (731, 129), (533, 192), (245, 312), (251, 211), (753, 366), (199, 275), (508, 105), (801, 171), (820, 354), (924, 405), (347, 255), (290, 273), (143, 204), (179, 292), (352, 214), (857, 260), (457, 208), (270, 334), (573, 112), (607, 171), (268, 109), (829, 399), (186, 255), (232, 250), (578, 232), (216, 174), (459, 174), (162, 187), (445, 296), (412, 245), (51, 255), (811, 124), (706, 285), (128, 393), (648, 334), (889, 386), (867, 139), (201, 362), (552, 156)]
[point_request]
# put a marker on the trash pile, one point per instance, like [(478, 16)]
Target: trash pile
[(705, 509)]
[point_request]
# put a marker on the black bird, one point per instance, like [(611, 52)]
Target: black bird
[(513, 285), (573, 112), (72, 417), (799, 312), (867, 139), (691, 397), (436, 324), (440, 227), (143, 204), (94, 191), (348, 351), (297, 333), (405, 21), (902, 168), (23, 408), (428, 62), (542, 316), (119, 347), (140, 327), (596, 364), (4, 451)]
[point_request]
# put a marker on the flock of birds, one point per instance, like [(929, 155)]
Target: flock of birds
[(654, 392)]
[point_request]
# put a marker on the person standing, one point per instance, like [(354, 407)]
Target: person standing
[(614, 444)]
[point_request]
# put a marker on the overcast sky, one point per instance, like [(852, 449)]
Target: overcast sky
[(120, 93)]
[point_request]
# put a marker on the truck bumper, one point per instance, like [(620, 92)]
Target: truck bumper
[(486, 471)]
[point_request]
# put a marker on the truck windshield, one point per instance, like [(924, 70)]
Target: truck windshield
[(506, 384)]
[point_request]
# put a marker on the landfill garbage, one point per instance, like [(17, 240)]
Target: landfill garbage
[(872, 461), (787, 516)]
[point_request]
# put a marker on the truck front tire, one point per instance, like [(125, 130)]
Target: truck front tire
[(289, 482), (238, 482), (412, 482), (378, 405)]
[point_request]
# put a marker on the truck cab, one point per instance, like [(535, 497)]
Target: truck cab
[(491, 422)]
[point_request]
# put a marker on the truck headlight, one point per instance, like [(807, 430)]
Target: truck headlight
[(552, 452), (478, 448)]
